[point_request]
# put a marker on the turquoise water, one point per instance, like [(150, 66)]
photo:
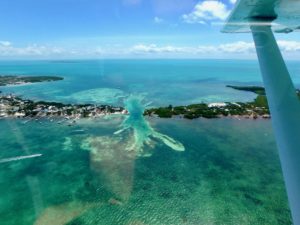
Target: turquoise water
[(229, 174), (134, 170), (161, 81)]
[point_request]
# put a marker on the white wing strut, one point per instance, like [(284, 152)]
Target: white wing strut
[(285, 109), (258, 17)]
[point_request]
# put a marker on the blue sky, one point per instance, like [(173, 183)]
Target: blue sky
[(124, 29)]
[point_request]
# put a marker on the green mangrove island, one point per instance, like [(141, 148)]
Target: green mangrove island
[(258, 108), (18, 80), (12, 106)]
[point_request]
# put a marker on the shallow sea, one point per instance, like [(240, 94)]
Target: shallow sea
[(133, 170)]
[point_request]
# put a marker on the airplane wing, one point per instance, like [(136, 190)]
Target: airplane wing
[(261, 18), (283, 15)]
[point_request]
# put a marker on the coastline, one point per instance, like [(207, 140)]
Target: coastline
[(15, 107), (234, 117), (256, 109), (13, 80), (12, 106)]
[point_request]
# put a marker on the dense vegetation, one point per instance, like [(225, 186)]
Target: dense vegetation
[(254, 89), (259, 107), (194, 111), (13, 105), (13, 80)]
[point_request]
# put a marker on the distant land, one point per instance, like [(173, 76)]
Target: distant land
[(255, 89), (13, 106), (17, 107), (17, 80), (255, 109)]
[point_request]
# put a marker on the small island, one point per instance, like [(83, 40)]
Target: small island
[(18, 80), (14, 106), (255, 89), (258, 108), (17, 107)]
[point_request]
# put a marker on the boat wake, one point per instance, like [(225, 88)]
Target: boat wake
[(19, 158)]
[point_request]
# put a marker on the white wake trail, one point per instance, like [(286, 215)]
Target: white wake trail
[(19, 158)]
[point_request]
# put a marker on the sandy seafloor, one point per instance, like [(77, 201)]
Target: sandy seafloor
[(135, 170), (228, 174)]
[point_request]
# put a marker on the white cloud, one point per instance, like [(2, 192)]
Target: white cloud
[(248, 47), (7, 50), (152, 48), (289, 46), (5, 43), (239, 49), (158, 20), (207, 10), (232, 1), (235, 47), (205, 49), (30, 50)]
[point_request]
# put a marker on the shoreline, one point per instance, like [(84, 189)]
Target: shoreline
[(258, 108), (236, 117), (12, 106), (15, 80)]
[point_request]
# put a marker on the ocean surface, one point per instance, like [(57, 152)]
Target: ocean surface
[(135, 170)]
